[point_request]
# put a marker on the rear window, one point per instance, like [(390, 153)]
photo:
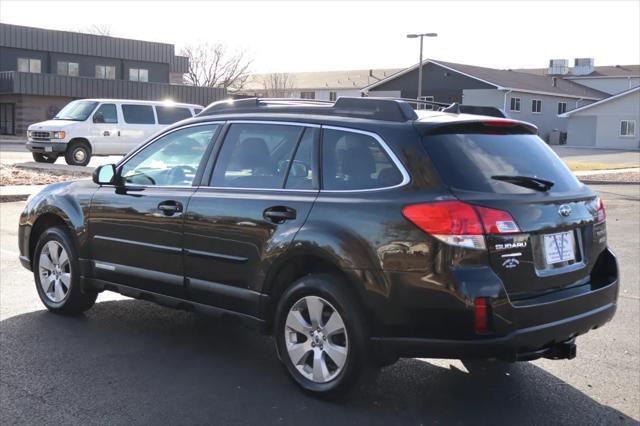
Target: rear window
[(170, 115), (468, 162), (138, 114)]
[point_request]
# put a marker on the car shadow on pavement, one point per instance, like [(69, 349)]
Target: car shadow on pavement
[(132, 362)]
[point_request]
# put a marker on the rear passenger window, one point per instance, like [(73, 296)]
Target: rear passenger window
[(138, 114), (354, 161), (255, 156), (170, 115)]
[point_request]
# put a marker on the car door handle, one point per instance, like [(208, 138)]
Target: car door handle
[(170, 208), (279, 214)]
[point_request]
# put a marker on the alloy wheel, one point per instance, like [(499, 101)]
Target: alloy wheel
[(316, 339), (55, 271)]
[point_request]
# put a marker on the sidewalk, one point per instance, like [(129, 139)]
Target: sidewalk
[(18, 192)]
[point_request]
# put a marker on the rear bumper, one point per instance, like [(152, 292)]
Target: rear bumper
[(45, 147), (526, 343)]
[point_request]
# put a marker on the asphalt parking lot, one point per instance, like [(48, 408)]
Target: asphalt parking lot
[(132, 362)]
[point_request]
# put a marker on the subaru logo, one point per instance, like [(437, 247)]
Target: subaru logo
[(564, 210)]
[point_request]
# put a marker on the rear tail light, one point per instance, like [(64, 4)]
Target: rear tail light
[(602, 214), (460, 224), (481, 315)]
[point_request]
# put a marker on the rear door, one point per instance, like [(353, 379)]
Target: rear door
[(261, 190), (560, 238), (139, 122)]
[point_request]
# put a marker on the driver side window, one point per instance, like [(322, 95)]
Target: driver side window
[(172, 160)]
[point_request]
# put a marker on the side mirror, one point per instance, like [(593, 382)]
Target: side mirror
[(98, 117), (105, 174)]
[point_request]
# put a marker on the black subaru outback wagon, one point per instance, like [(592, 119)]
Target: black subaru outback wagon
[(354, 232)]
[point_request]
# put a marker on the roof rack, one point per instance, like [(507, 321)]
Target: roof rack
[(388, 109)]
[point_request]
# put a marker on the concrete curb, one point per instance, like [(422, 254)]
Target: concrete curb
[(56, 169), (12, 198)]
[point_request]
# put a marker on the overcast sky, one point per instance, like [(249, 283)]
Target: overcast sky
[(310, 36)]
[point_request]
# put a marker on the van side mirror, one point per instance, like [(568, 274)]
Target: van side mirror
[(105, 174), (98, 117)]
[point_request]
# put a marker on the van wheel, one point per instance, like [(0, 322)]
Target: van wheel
[(57, 274), (78, 154), (44, 158), (320, 337)]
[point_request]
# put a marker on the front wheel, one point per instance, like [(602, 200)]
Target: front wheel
[(57, 274), (78, 154), (40, 157), (320, 335)]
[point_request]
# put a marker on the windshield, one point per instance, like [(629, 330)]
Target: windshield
[(76, 111), (470, 162)]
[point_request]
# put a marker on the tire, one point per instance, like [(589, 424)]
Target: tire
[(57, 280), (40, 157), (315, 369), (78, 154)]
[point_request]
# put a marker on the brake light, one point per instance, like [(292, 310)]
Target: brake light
[(481, 315), (602, 214), (460, 224)]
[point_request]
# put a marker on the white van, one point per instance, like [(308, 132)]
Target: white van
[(101, 127)]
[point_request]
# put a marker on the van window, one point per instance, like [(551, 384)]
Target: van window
[(76, 111), (197, 111), (138, 114), (355, 161), (106, 114), (169, 115)]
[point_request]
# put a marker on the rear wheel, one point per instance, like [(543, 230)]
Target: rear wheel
[(44, 158), (56, 270), (78, 154), (320, 335)]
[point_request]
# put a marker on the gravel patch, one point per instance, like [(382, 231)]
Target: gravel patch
[(10, 175), (626, 177)]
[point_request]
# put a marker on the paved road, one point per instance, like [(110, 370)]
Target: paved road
[(132, 362), (611, 156)]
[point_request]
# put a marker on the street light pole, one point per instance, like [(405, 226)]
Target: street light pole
[(422, 36)]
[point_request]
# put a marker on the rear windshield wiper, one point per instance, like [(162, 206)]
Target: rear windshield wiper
[(530, 182)]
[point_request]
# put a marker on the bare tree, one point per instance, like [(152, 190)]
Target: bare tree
[(213, 65), (278, 85), (97, 29)]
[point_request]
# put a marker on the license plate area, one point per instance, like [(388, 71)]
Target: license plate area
[(558, 252)]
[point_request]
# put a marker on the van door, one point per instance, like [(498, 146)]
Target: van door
[(139, 122), (103, 130)]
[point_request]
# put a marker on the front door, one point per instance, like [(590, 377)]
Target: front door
[(104, 131), (262, 188), (135, 227)]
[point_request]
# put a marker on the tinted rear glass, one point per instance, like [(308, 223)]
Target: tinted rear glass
[(169, 115), (468, 161), (138, 114)]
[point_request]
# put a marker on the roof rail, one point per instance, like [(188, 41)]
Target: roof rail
[(388, 109)]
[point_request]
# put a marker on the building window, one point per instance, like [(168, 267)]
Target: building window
[(68, 68), (425, 106), (333, 96), (628, 128), (138, 74), (536, 106), (308, 95), (106, 71), (562, 107), (29, 65), (515, 104)]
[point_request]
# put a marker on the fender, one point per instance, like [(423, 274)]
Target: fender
[(57, 200)]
